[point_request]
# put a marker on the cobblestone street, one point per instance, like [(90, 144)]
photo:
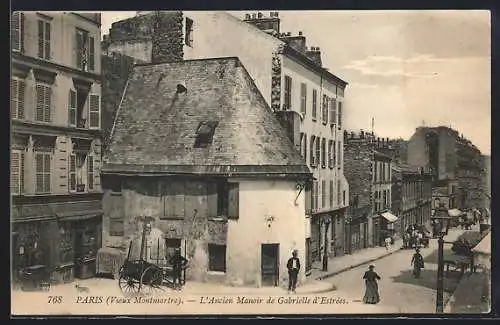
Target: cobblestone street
[(400, 292)]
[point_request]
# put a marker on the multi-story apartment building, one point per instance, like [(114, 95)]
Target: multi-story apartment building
[(304, 94), (455, 163), (211, 168), (411, 196), (55, 142), (367, 162)]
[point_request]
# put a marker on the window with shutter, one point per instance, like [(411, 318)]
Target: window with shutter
[(43, 102), (318, 150), (91, 54), (332, 191), (334, 153), (72, 108), (333, 111), (323, 153), (83, 52), (217, 258), (17, 88), (339, 113), (324, 110), (17, 172), (72, 173), (288, 93), (90, 172), (308, 198), (330, 153), (43, 172), (44, 40), (316, 195), (339, 155), (94, 111), (303, 98), (323, 194), (305, 148), (338, 192), (233, 200), (16, 31), (302, 144), (173, 195), (314, 104), (311, 151)]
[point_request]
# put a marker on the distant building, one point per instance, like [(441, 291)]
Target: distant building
[(455, 163), (411, 196), (55, 155), (486, 181), (196, 148), (367, 161), (308, 99)]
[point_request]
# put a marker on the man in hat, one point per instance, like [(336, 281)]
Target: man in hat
[(178, 262), (293, 266)]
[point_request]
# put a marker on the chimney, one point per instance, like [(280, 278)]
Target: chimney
[(267, 24), (314, 54), (298, 42)]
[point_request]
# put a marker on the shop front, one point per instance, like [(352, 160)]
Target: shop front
[(387, 227)]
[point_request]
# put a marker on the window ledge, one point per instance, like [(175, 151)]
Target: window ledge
[(220, 273)]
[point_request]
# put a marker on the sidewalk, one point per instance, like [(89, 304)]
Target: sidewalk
[(344, 263), (469, 298)]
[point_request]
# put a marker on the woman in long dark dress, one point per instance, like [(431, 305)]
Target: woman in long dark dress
[(371, 292)]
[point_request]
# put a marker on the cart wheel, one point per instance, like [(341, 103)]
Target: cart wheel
[(151, 281), (128, 285)]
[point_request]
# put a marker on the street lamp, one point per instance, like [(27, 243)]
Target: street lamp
[(441, 220), (326, 222)]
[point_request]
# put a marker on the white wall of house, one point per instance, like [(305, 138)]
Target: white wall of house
[(260, 202)]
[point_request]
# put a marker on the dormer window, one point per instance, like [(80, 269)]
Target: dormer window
[(205, 133)]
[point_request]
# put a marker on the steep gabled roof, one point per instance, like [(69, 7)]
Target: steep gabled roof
[(161, 130)]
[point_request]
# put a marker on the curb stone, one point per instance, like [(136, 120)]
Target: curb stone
[(326, 276)]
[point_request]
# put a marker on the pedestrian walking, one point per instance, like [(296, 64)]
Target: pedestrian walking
[(178, 263), (388, 242), (293, 266), (371, 286), (418, 263)]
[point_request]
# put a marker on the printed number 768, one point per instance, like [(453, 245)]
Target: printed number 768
[(55, 299)]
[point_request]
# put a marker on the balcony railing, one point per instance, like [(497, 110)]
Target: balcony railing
[(80, 188)]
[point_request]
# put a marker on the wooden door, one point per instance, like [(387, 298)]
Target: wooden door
[(270, 264)]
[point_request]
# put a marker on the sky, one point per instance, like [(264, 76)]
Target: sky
[(405, 69)]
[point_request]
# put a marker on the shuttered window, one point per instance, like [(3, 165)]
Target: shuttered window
[(90, 172), (339, 113), (308, 198), (43, 102), (94, 111), (43, 40), (323, 153), (332, 191), (16, 31), (233, 200), (318, 150), (43, 172), (72, 173), (324, 110), (315, 192), (338, 192), (333, 111), (323, 194), (72, 108), (339, 155), (303, 98), (217, 258), (85, 50), (331, 153), (17, 172), (17, 88), (311, 151), (288, 93), (315, 104), (174, 199)]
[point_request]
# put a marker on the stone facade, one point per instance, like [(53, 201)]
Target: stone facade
[(455, 162)]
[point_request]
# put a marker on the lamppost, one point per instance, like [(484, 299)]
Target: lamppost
[(326, 222), (442, 218)]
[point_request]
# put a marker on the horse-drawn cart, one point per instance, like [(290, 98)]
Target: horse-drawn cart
[(140, 276)]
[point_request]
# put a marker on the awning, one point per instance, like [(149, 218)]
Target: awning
[(79, 215), (389, 216), (484, 246), (454, 213)]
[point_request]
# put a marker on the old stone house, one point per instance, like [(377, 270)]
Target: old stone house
[(196, 148)]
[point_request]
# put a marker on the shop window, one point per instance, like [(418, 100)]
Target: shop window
[(17, 95), (89, 244), (27, 250), (43, 39), (66, 240), (217, 258)]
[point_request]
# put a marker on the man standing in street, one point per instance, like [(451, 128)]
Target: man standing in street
[(178, 263), (293, 266)]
